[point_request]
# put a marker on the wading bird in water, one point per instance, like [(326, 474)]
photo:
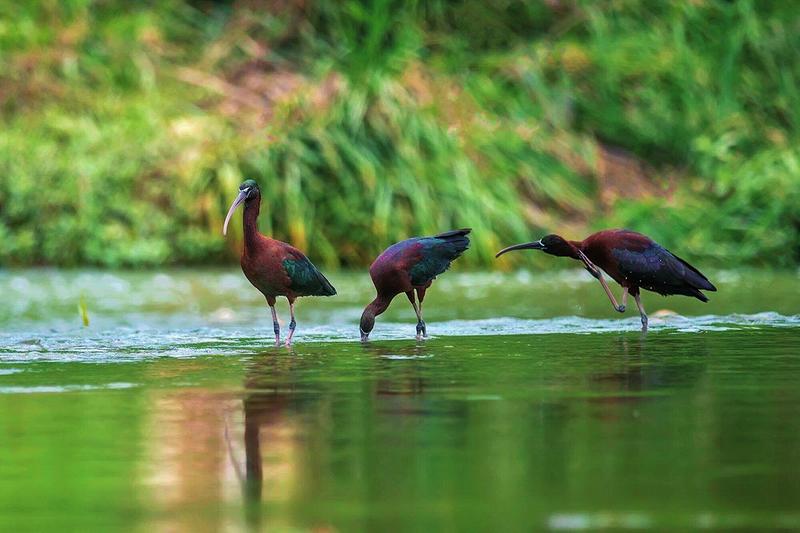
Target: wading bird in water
[(410, 266), (274, 267), (633, 260)]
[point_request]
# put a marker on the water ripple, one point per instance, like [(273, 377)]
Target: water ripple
[(131, 344), (39, 389)]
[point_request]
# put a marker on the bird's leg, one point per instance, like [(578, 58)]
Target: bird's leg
[(275, 326), (602, 280), (292, 325), (641, 310), (420, 323), (421, 296), (597, 273)]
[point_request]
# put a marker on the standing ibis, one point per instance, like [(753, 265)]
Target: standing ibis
[(410, 266), (633, 260), (274, 267)]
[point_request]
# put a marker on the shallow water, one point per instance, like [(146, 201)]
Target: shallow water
[(532, 406)]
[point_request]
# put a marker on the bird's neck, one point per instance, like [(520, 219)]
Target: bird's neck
[(373, 309), (379, 304), (577, 246), (250, 222)]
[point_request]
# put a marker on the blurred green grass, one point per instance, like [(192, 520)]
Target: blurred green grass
[(128, 126)]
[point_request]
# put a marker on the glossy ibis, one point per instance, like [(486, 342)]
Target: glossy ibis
[(410, 266), (633, 260), (274, 267)]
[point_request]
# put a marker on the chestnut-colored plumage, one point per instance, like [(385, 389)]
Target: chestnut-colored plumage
[(409, 266), (633, 260), (274, 267)]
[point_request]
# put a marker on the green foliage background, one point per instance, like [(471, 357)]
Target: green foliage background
[(127, 126)]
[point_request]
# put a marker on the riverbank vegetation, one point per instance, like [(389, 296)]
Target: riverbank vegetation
[(128, 126)]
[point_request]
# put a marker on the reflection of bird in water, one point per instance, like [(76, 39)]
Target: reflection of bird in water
[(270, 394), (400, 383), (263, 408), (647, 368)]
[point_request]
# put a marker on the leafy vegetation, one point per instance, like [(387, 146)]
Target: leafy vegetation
[(127, 127)]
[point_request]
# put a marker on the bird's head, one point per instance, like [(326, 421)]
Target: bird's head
[(373, 309), (248, 190), (549, 244)]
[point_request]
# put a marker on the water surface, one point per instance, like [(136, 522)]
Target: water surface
[(532, 406)]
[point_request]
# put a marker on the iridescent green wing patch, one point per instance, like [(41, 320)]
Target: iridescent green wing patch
[(306, 279)]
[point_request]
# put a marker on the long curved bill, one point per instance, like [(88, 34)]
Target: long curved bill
[(536, 245), (234, 205)]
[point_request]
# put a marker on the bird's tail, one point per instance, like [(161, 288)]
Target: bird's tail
[(326, 287), (696, 278), (454, 233), (457, 238), (699, 295)]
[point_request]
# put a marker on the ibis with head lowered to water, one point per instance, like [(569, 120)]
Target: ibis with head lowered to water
[(409, 267)]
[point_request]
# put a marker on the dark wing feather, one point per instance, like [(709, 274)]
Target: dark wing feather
[(306, 279), (657, 269), (436, 254), (463, 232)]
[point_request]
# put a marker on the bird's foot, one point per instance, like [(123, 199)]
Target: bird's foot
[(644, 324), (421, 331), (290, 336), (277, 329), (621, 308)]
